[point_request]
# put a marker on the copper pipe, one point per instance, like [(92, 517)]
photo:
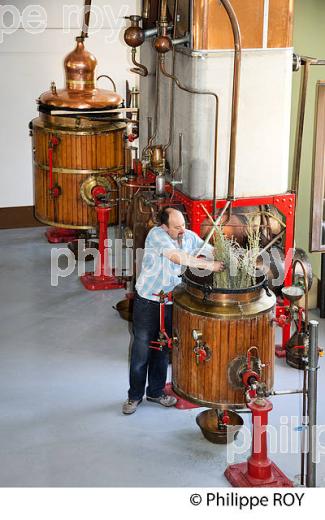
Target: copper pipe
[(149, 128), (109, 78), (306, 62), (171, 107), (300, 125), (298, 261), (134, 185), (139, 68), (146, 9), (204, 93), (154, 135), (172, 91), (235, 95), (151, 209), (180, 162), (163, 11), (85, 26)]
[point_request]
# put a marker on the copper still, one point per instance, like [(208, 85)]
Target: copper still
[(78, 144), (224, 324), (80, 92)]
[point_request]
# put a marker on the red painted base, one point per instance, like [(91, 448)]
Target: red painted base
[(280, 352), (182, 404), (61, 235), (101, 283), (238, 476)]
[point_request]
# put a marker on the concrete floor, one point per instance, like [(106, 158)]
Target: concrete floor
[(64, 376)]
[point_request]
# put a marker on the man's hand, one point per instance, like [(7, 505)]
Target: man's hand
[(180, 257), (218, 267)]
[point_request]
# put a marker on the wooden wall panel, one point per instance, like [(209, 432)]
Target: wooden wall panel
[(217, 31), (212, 29), (280, 23)]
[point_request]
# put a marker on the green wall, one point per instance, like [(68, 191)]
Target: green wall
[(309, 40)]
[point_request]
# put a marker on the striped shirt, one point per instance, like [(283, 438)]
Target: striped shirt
[(158, 273)]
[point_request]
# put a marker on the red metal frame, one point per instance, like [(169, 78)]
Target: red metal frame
[(285, 203)]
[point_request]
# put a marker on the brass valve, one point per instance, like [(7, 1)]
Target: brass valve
[(201, 350), (175, 339), (197, 335)]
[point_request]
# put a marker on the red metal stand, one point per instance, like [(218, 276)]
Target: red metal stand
[(99, 281), (259, 470), (284, 203), (61, 235)]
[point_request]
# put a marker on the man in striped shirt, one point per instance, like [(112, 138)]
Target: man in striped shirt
[(168, 248)]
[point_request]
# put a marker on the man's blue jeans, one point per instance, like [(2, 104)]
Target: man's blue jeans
[(145, 360)]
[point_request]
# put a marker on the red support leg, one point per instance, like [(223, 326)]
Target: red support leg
[(99, 281), (259, 470)]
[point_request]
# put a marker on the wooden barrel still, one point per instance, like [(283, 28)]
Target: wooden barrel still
[(85, 149), (230, 325)]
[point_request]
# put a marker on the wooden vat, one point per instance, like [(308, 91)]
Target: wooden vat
[(230, 324), (85, 150)]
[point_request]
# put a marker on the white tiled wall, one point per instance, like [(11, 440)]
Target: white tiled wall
[(29, 62)]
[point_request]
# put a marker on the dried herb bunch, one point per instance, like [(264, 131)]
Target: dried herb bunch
[(240, 262)]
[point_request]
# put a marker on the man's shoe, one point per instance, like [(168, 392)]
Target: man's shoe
[(130, 406), (164, 400)]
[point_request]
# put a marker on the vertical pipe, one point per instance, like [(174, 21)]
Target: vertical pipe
[(298, 261), (85, 26), (149, 128), (235, 96), (172, 89), (266, 23), (180, 160), (312, 402), (303, 433), (119, 207), (300, 126), (146, 9), (157, 104), (163, 11), (322, 288)]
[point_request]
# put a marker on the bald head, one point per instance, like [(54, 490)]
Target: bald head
[(173, 223)]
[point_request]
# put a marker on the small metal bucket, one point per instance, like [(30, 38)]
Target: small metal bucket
[(125, 309), (208, 423)]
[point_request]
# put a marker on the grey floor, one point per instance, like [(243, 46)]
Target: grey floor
[(64, 376)]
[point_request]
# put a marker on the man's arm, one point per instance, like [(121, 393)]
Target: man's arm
[(181, 258)]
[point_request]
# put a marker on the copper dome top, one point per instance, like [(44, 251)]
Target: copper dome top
[(80, 92)]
